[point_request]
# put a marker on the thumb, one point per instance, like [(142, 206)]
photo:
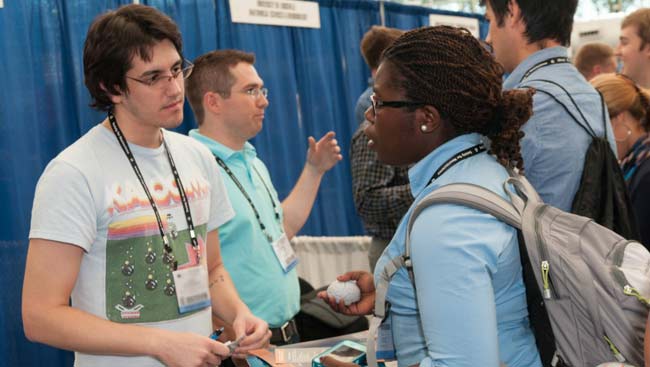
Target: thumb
[(312, 143)]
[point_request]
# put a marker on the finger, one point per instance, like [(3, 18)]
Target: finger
[(212, 359), (312, 143), (328, 136), (351, 275), (219, 350)]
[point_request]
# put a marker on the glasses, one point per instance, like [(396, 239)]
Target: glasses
[(156, 80), (256, 92), (376, 104)]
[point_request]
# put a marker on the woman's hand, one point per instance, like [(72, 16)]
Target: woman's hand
[(366, 303)]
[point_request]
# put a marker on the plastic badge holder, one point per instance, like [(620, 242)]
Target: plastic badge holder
[(345, 351)]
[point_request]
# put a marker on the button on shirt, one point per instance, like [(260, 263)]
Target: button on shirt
[(471, 302), (554, 146), (248, 256)]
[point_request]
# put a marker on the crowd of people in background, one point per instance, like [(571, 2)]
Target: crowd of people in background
[(160, 238)]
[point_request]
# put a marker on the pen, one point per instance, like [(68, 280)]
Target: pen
[(215, 335)]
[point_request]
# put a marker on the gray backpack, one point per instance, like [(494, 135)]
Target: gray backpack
[(595, 284)]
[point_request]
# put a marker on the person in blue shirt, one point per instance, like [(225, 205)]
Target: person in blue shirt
[(529, 38), (437, 96), (229, 101)]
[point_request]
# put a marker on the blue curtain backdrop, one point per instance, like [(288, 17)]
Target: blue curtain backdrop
[(314, 77)]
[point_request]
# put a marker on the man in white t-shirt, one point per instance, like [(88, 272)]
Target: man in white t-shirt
[(125, 219)]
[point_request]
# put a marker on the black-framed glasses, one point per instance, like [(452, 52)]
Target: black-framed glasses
[(156, 80), (376, 104)]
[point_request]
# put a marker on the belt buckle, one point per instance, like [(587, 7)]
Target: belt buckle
[(283, 332)]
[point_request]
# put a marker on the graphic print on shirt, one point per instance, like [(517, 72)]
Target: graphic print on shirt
[(139, 282)]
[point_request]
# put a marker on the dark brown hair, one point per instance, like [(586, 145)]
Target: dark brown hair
[(212, 73), (449, 69), (114, 39), (544, 19), (375, 41)]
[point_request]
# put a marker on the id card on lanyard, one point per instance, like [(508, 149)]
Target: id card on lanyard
[(281, 247), (190, 284)]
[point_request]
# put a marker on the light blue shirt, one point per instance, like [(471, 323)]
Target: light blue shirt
[(471, 303), (248, 256), (554, 146)]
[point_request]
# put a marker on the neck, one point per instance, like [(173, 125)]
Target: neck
[(148, 136), (643, 80), (530, 48), (212, 131)]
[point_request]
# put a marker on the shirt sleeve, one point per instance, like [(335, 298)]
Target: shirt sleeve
[(64, 208), (453, 276)]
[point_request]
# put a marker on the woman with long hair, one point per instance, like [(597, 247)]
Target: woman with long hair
[(438, 103), (629, 109)]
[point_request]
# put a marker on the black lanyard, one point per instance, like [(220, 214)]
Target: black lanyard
[(181, 191), (547, 62), (248, 198), (469, 152)]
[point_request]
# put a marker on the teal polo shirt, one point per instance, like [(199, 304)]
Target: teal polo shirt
[(267, 290)]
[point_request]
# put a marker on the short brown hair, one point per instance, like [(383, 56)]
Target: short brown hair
[(113, 39), (375, 41), (211, 73), (592, 54), (641, 19)]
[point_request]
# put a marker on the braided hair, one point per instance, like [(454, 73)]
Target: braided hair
[(449, 69)]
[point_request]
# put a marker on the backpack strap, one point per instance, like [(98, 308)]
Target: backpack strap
[(381, 307), (584, 124)]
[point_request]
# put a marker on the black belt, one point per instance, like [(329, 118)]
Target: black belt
[(285, 334)]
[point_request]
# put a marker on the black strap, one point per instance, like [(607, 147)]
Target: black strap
[(248, 198), (268, 191), (547, 62), (585, 125), (181, 190), (462, 155)]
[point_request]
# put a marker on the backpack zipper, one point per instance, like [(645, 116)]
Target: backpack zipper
[(617, 354), (620, 278), (545, 265)]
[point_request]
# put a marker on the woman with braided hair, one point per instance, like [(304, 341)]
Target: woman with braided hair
[(437, 96), (629, 110)]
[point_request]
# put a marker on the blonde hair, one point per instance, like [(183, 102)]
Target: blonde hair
[(622, 94)]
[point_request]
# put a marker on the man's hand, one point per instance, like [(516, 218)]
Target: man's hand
[(188, 350), (255, 333), (324, 154), (366, 303)]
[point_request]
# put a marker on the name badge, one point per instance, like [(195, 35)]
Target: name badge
[(385, 348), (284, 253), (192, 290)]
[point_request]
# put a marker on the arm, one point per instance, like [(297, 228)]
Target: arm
[(227, 305), (50, 274), (381, 193), (321, 156)]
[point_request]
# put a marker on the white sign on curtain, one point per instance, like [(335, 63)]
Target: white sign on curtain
[(276, 12), (455, 21), (2, 4)]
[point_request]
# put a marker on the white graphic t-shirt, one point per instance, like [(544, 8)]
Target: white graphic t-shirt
[(89, 196)]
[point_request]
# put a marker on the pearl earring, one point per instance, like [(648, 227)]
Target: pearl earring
[(423, 128)]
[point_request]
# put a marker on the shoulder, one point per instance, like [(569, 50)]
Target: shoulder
[(185, 145)]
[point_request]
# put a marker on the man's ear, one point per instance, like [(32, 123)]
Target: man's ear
[(427, 119), (115, 98), (513, 16), (213, 102)]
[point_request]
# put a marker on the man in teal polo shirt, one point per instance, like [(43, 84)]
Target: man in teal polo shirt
[(229, 99)]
